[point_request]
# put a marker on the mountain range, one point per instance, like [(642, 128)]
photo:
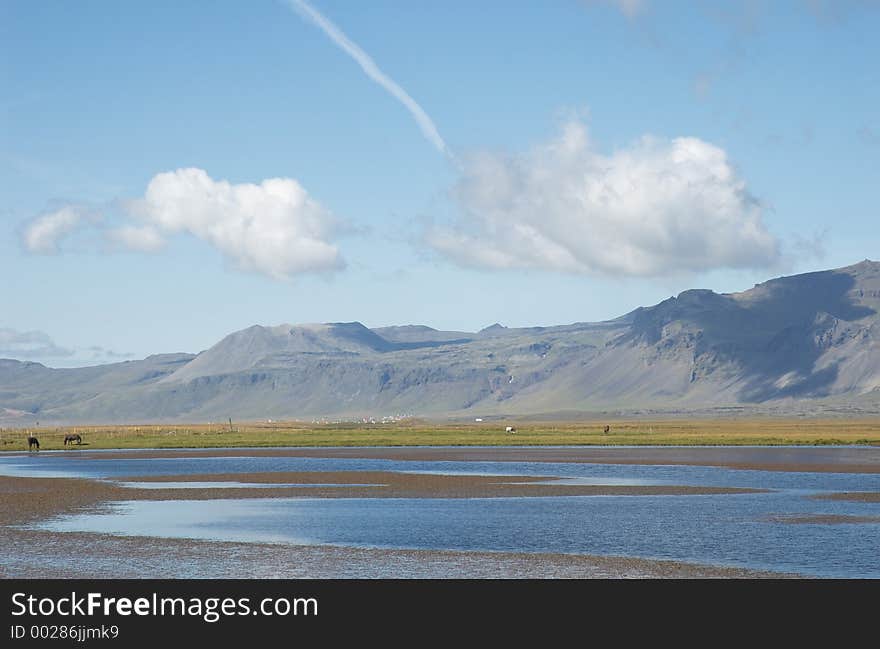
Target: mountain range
[(804, 344)]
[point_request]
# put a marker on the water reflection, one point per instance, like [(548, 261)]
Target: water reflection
[(732, 530), (70, 465), (744, 530)]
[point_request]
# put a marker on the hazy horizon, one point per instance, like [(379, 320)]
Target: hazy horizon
[(62, 363)]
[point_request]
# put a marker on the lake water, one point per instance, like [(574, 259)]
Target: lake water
[(742, 530)]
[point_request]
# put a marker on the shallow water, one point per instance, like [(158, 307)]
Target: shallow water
[(72, 465), (729, 530), (725, 529)]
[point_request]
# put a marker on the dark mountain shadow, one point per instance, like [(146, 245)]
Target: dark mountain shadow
[(773, 330)]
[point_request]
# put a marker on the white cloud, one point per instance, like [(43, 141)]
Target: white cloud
[(656, 207), (43, 234), (143, 238), (368, 65), (39, 346), (273, 228), (30, 344)]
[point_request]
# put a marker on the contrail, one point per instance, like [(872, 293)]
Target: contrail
[(372, 70)]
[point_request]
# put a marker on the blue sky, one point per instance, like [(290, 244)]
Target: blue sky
[(602, 155)]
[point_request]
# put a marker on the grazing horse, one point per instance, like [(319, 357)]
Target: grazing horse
[(70, 439), (607, 429), (33, 443)]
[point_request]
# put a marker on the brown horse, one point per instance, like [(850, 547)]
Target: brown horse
[(70, 439), (33, 443), (607, 429)]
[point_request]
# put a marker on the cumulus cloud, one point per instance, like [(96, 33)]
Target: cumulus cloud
[(43, 234), (273, 227), (656, 207), (30, 344)]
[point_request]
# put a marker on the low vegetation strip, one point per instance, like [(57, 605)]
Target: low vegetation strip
[(671, 432)]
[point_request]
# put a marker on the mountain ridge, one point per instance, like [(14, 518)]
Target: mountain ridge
[(790, 344)]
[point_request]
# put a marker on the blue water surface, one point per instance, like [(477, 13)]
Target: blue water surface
[(742, 530)]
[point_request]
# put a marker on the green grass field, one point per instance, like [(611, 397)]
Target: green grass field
[(769, 431)]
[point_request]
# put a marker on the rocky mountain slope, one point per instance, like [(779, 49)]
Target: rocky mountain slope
[(807, 342)]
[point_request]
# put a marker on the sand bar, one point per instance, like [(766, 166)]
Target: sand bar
[(822, 519), (853, 496), (390, 484)]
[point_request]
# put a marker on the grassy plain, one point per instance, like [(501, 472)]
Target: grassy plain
[(668, 432)]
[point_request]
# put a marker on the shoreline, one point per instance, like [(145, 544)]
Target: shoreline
[(822, 459)]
